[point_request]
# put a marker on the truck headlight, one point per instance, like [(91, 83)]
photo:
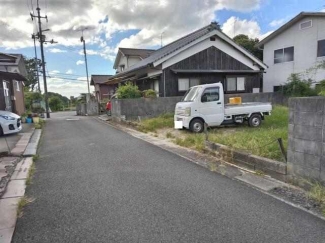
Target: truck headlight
[(188, 111)]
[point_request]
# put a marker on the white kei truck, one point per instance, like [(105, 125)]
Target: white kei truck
[(205, 104)]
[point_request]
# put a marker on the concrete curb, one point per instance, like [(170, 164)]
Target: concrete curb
[(31, 148), (10, 199), (16, 187)]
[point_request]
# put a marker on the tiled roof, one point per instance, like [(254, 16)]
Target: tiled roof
[(143, 53), (99, 79)]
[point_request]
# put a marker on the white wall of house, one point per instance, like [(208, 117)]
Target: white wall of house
[(305, 43), (127, 61)]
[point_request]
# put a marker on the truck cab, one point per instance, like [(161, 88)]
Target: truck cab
[(204, 104)]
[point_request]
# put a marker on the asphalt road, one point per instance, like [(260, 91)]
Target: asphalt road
[(97, 184)]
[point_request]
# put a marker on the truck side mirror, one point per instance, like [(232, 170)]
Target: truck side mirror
[(204, 98)]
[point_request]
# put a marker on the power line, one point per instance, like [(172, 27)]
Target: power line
[(58, 77)]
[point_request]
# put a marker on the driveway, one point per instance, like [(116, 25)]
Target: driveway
[(12, 139), (94, 183)]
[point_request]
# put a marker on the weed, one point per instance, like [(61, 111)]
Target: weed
[(35, 157), (259, 173), (22, 203), (30, 175), (169, 135), (317, 192), (38, 126), (152, 124)]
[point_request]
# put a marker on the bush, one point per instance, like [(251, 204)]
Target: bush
[(149, 93), (31, 97), (295, 87), (320, 88), (128, 91)]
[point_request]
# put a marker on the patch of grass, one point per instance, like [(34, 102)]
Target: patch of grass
[(153, 124), (21, 204), (38, 126), (35, 157), (169, 135), (253, 139), (317, 192), (30, 175)]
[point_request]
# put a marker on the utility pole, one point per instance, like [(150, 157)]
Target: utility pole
[(42, 40), (36, 65), (85, 52)]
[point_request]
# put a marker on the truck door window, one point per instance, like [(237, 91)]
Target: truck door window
[(210, 95)]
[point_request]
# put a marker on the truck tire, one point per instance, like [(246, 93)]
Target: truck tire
[(255, 120), (197, 126)]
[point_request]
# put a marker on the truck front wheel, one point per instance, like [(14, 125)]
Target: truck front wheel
[(255, 120), (197, 126)]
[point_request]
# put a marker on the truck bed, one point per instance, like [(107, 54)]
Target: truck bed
[(247, 108)]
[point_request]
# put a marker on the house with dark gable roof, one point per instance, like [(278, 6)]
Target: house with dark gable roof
[(204, 56), (102, 90)]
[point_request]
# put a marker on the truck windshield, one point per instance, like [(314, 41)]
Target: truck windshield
[(191, 94)]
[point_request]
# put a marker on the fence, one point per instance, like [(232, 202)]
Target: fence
[(306, 145), (91, 108), (131, 109)]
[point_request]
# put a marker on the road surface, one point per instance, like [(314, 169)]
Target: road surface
[(97, 184)]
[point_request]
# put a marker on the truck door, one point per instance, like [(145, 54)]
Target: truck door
[(211, 106)]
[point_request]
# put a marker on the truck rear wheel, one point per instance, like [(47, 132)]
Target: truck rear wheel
[(197, 126), (255, 120)]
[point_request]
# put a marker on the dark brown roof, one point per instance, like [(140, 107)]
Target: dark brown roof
[(99, 79), (143, 53), (10, 75), (288, 25)]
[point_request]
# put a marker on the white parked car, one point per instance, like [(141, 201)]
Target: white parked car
[(9, 122), (205, 104)]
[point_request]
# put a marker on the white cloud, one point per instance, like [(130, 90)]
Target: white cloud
[(56, 50), (164, 15), (80, 62), (54, 72), (279, 22), (69, 71), (235, 26), (82, 79)]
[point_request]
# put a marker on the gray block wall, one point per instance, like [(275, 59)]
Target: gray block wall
[(306, 143), (131, 109)]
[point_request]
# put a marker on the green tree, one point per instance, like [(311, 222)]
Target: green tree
[(31, 98), (64, 100), (32, 79), (249, 44), (55, 103), (128, 91)]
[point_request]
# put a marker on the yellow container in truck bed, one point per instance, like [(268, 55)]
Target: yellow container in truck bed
[(235, 100)]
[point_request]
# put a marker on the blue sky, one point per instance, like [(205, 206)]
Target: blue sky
[(115, 23)]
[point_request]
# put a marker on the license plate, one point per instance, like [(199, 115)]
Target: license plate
[(178, 124)]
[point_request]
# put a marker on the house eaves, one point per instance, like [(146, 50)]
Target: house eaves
[(288, 25)]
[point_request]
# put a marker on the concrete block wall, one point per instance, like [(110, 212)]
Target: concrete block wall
[(306, 142), (131, 109)]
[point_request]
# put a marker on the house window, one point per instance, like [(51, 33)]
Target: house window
[(210, 95), (122, 68), (321, 48), (284, 55), (236, 84), (17, 86), (306, 25), (185, 83)]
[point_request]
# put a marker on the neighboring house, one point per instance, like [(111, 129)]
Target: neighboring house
[(296, 47), (127, 57), (204, 56), (102, 90), (13, 73)]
